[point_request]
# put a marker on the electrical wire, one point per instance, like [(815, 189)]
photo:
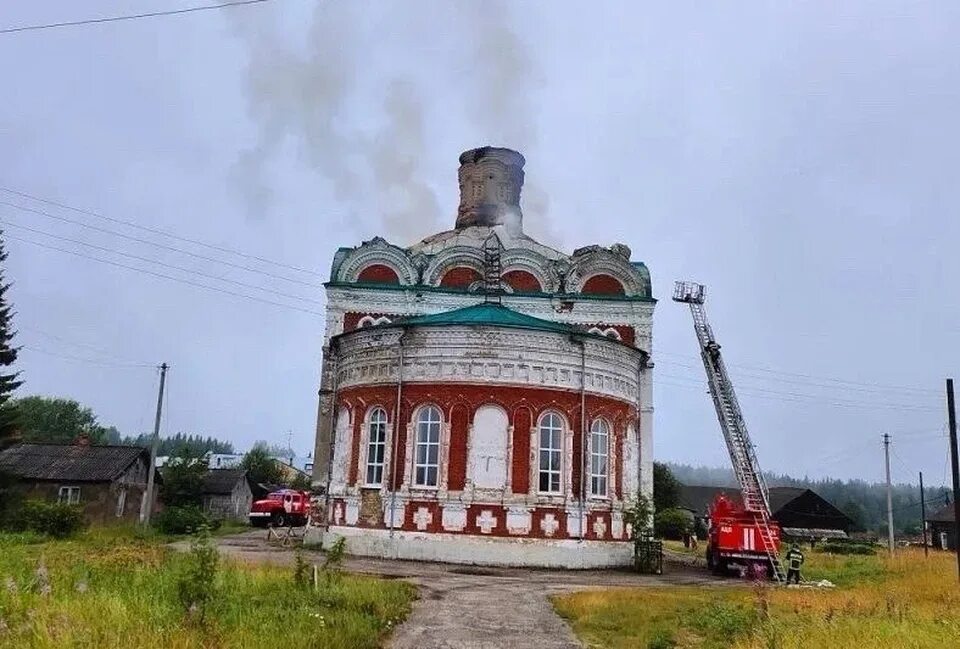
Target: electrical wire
[(801, 397), (89, 361), (112, 19), (162, 263), (161, 232), (801, 382), (168, 277), (159, 245), (808, 376), (86, 346)]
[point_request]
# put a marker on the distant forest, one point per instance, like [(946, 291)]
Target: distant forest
[(865, 503), (179, 444)]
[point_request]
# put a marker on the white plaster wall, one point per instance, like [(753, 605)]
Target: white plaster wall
[(341, 452), (474, 550), (487, 460), (631, 463), (489, 354)]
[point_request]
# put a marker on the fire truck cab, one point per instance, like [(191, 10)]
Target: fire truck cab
[(734, 541)]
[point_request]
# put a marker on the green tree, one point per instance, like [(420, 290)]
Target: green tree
[(261, 468), (672, 523), (57, 420), (183, 481), (9, 380), (666, 488)]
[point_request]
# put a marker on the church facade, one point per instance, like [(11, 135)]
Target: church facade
[(485, 398)]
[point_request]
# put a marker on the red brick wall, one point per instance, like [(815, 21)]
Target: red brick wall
[(461, 401), (352, 319), (522, 421), (359, 414), (603, 285), (522, 282), (378, 274), (459, 430), (459, 277)]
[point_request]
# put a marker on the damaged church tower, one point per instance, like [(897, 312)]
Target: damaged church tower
[(480, 388)]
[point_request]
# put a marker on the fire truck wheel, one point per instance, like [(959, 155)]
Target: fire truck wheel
[(279, 519)]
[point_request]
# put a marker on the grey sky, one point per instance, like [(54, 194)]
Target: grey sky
[(800, 160)]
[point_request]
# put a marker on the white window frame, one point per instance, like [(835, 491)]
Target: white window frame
[(376, 438), (72, 495), (552, 423), (428, 419), (599, 465)]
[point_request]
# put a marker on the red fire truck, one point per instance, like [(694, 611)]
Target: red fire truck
[(741, 534), (734, 542), (281, 508)]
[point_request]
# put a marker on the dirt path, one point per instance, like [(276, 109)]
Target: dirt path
[(471, 607)]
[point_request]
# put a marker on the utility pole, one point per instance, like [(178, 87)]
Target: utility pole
[(886, 454), (152, 471), (952, 414), (923, 517)]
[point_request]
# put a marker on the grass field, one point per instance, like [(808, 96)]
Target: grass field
[(880, 603), (108, 589)]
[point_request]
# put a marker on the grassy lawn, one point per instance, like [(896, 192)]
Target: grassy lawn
[(109, 589), (880, 603)]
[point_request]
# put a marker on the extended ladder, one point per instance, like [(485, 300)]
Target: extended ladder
[(742, 453), (492, 282)]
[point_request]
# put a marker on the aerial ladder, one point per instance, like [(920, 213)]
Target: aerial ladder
[(743, 456)]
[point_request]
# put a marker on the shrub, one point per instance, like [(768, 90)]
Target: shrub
[(53, 519), (662, 640), (180, 520), (672, 524), (848, 548), (197, 585)]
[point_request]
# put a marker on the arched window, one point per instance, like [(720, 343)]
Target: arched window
[(376, 446), (551, 452), (426, 464), (599, 453)]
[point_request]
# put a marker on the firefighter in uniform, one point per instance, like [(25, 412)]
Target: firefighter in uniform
[(794, 561)]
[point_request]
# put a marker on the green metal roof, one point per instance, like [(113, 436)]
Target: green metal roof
[(485, 313)]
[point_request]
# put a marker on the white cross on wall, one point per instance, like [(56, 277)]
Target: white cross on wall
[(486, 521), (422, 518), (599, 528), (549, 524)]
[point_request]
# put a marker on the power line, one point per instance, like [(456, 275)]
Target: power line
[(87, 346), (89, 361), (810, 376), (158, 245), (161, 263), (802, 382), (169, 277), (810, 399), (164, 233), (112, 19), (753, 390)]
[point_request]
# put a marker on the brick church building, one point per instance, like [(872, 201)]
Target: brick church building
[(485, 398)]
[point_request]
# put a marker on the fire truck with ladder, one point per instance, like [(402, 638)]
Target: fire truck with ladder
[(741, 535)]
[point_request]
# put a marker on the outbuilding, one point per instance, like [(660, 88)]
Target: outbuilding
[(108, 482), (227, 494)]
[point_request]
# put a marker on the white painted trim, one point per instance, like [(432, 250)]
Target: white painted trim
[(477, 550)]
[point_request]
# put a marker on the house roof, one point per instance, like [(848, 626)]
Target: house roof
[(221, 482), (698, 498), (943, 515), (69, 462)]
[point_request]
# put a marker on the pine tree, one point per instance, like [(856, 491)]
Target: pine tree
[(8, 356)]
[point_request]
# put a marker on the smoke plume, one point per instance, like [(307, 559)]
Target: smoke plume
[(374, 153)]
